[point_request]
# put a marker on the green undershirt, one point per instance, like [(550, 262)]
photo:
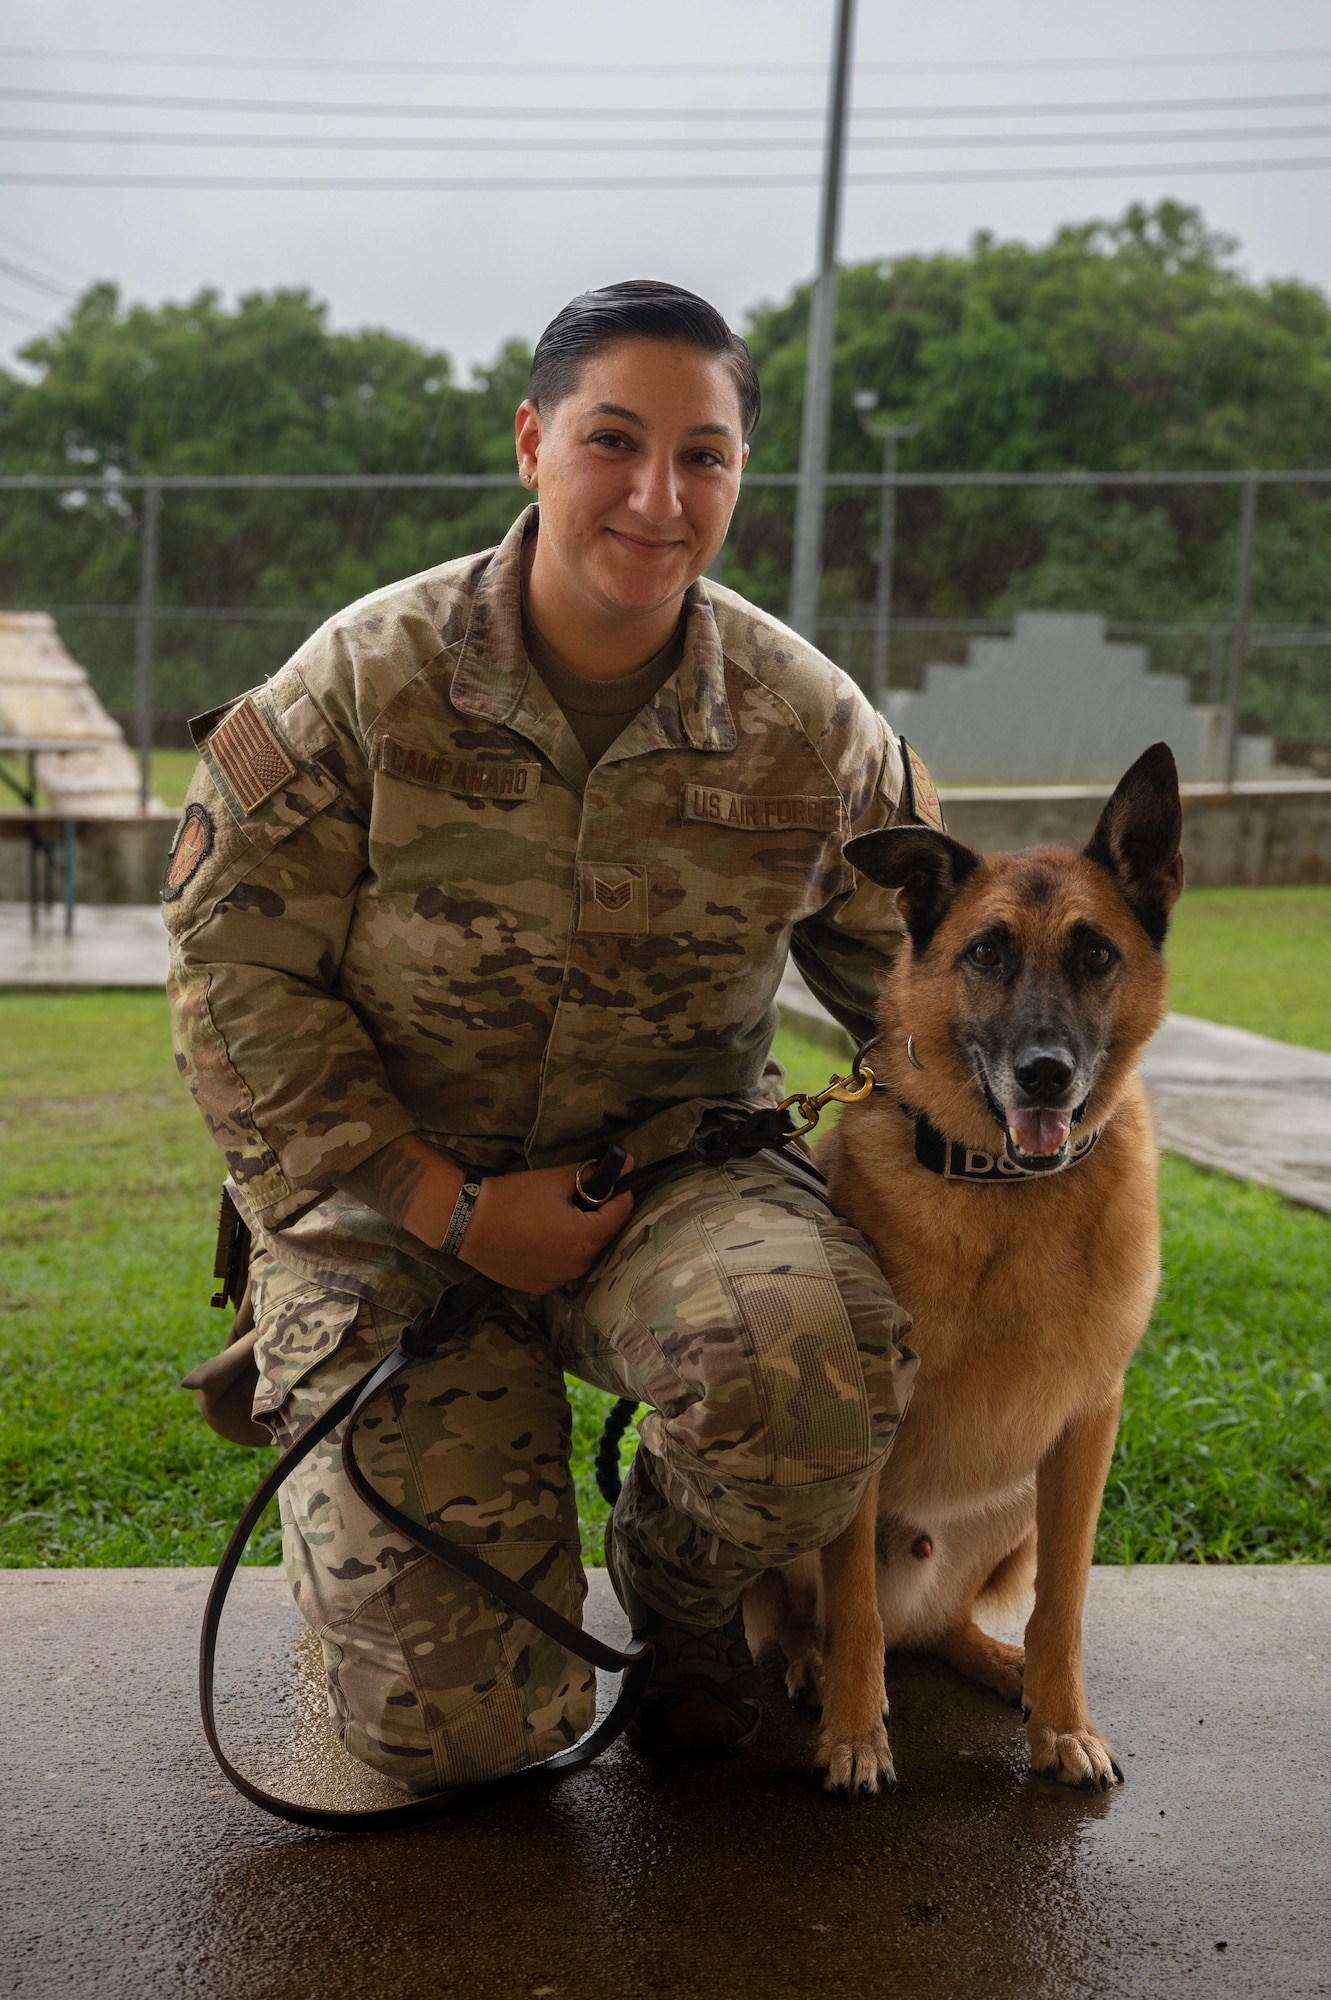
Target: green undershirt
[(598, 712)]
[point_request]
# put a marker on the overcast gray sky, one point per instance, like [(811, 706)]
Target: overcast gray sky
[(467, 269)]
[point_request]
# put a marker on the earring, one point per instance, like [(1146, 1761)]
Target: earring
[(910, 1053)]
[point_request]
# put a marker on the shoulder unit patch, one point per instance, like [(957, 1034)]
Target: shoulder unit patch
[(920, 797), (189, 850), (249, 755)]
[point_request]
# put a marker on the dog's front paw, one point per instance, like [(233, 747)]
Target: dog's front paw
[(1077, 1755), (855, 1767), (804, 1679)]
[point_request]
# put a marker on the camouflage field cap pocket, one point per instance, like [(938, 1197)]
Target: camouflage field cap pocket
[(298, 1326)]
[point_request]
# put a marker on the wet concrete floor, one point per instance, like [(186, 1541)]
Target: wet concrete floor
[(130, 1869)]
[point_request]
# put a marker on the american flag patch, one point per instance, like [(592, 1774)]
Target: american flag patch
[(249, 756)]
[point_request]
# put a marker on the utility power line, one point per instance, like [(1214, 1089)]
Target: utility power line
[(635, 114), (37, 282), (414, 66), (649, 183), (47, 256), (667, 142), (22, 318)]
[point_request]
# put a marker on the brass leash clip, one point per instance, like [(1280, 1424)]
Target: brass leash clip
[(850, 1089)]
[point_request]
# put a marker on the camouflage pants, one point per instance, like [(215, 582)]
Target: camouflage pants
[(761, 1332)]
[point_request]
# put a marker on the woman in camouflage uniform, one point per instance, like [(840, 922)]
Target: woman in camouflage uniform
[(503, 864)]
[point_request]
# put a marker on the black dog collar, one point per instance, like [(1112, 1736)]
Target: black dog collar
[(953, 1161)]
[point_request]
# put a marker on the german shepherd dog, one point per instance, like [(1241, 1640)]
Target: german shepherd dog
[(1005, 1172)]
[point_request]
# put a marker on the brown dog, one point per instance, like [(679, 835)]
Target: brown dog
[(1005, 1173)]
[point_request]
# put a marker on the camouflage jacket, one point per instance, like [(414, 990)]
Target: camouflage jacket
[(398, 901)]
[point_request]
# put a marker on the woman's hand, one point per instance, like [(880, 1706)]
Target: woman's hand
[(526, 1233), (524, 1230)]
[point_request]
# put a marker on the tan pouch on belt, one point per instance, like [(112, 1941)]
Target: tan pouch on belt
[(224, 1386)]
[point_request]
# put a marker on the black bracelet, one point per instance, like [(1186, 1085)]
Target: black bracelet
[(468, 1195)]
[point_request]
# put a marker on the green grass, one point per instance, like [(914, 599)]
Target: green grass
[(1257, 959), (172, 771), (108, 1186), (1224, 1454), (13, 772), (108, 1189)]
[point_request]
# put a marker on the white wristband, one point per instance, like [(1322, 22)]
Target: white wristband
[(468, 1195)]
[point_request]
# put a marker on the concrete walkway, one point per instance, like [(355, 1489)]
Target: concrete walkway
[(131, 1871), (111, 946), (1251, 1107)]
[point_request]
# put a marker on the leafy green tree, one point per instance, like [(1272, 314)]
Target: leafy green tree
[(1129, 345), (266, 388)]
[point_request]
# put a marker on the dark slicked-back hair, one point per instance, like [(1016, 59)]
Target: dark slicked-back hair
[(638, 309)]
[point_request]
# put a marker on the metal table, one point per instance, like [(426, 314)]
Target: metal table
[(42, 847)]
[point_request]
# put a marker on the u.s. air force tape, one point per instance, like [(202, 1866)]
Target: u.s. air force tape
[(753, 812)]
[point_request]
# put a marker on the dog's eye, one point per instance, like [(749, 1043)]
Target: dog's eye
[(984, 954), (1098, 957)]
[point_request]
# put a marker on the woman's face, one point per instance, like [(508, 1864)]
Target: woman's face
[(637, 470)]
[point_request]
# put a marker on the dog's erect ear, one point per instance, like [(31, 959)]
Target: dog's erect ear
[(925, 868), (1137, 839)]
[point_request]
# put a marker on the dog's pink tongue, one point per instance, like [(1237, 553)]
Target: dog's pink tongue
[(1038, 1132)]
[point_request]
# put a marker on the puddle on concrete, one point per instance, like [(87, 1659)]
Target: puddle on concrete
[(131, 1871)]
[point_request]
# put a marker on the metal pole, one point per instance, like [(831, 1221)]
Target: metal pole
[(143, 651), (1242, 606), (1215, 686), (880, 672), (71, 873), (815, 428)]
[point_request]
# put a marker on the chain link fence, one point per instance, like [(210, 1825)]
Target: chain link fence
[(178, 592)]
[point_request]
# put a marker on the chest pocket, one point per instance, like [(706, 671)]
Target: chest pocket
[(445, 822)]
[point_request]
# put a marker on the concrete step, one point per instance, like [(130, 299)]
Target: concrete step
[(46, 695), (130, 1869)]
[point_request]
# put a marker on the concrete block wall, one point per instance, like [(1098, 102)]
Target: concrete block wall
[(1256, 834), (1259, 834)]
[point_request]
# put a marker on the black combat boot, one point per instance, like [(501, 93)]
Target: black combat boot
[(703, 1697)]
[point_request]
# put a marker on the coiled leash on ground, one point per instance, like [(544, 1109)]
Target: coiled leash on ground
[(453, 1317)]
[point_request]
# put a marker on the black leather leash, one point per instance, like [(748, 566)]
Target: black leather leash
[(453, 1316)]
